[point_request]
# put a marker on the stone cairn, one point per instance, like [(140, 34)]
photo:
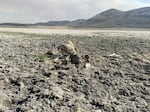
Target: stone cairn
[(66, 54)]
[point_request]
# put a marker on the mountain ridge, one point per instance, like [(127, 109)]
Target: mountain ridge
[(135, 18)]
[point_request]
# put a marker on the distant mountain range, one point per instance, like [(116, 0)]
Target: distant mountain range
[(112, 18)]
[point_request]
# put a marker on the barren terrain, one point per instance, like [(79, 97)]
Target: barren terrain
[(118, 79)]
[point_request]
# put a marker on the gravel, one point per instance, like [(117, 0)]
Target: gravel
[(117, 78)]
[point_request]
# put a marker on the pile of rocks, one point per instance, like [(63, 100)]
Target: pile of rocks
[(67, 54)]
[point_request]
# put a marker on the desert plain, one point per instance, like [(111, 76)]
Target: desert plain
[(117, 80)]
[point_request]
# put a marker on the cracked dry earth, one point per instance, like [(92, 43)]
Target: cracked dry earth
[(117, 81)]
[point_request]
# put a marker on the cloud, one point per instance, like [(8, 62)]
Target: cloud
[(30, 11)]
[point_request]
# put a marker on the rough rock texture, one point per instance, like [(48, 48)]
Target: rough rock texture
[(118, 79)]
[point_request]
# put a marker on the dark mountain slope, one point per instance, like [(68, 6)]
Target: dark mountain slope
[(112, 18), (138, 18)]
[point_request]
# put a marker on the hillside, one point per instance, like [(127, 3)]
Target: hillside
[(137, 18), (112, 18)]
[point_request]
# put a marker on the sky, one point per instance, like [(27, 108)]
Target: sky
[(32, 11)]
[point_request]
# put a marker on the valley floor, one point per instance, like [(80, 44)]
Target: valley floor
[(117, 81)]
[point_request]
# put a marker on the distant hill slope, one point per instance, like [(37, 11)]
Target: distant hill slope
[(53, 23), (112, 18), (138, 18)]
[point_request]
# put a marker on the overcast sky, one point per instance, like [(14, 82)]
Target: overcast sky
[(30, 11)]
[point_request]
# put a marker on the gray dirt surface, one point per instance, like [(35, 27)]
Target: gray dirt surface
[(117, 81)]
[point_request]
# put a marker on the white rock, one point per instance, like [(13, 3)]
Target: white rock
[(87, 65), (68, 48), (114, 55), (58, 92), (98, 111)]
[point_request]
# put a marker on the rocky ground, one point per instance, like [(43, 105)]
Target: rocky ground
[(118, 79)]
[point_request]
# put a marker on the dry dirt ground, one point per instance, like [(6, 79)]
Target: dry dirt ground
[(118, 79)]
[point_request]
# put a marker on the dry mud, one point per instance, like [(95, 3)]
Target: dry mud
[(117, 81)]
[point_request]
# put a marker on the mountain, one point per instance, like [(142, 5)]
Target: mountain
[(137, 18), (112, 18), (14, 24), (105, 19), (53, 23)]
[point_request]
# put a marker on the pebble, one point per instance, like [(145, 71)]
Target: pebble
[(140, 102)]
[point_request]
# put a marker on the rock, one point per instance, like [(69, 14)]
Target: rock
[(56, 60), (79, 110), (22, 85), (19, 109), (86, 58), (98, 111), (67, 48), (114, 55), (87, 65), (74, 59), (52, 51), (5, 101), (146, 83), (140, 102), (57, 92), (47, 74), (124, 92)]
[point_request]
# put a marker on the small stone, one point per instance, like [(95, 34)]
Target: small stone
[(86, 58), (56, 60), (47, 74), (46, 92), (19, 109), (7, 103), (58, 92), (124, 92), (114, 55), (4, 100), (22, 85), (146, 83), (140, 102), (79, 110), (74, 59), (98, 111), (87, 65), (52, 51)]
